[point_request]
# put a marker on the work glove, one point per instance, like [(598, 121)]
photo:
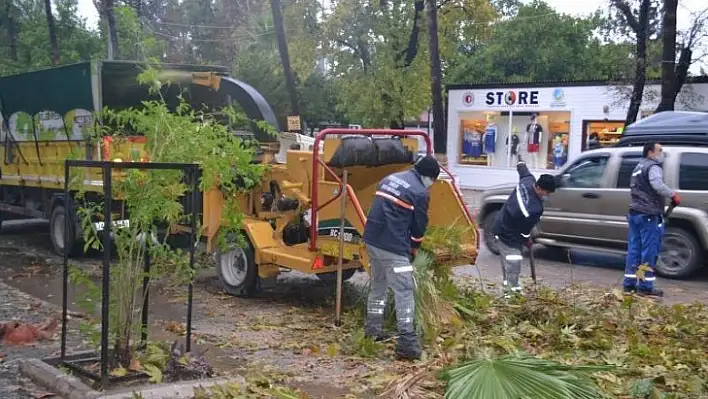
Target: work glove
[(529, 243), (675, 200)]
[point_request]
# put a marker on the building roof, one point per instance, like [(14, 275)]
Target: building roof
[(556, 83)]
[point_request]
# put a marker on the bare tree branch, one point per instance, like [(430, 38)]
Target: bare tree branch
[(626, 11)]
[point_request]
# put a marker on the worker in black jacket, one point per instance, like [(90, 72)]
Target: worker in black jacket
[(394, 230), (518, 216)]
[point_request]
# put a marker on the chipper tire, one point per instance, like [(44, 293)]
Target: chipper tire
[(237, 270)]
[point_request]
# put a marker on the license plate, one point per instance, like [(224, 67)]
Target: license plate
[(332, 249), (121, 224)]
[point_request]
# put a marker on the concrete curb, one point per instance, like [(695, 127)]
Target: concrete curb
[(183, 389), (70, 387), (52, 378)]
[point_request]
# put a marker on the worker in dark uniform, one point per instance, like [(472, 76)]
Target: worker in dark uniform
[(394, 230), (646, 221), (519, 215)]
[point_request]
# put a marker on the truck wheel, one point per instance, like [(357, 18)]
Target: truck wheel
[(680, 256), (489, 239), (56, 232), (237, 270), (332, 276)]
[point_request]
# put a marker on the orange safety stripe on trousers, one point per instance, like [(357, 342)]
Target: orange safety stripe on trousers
[(395, 200)]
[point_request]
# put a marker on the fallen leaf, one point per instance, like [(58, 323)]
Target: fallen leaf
[(154, 373), (333, 350), (135, 365), (176, 328), (119, 372)]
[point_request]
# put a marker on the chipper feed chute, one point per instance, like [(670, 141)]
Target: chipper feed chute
[(368, 156)]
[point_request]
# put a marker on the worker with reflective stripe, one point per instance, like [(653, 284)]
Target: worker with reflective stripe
[(394, 230), (646, 221), (518, 216)]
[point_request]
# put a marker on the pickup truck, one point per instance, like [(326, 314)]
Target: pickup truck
[(589, 209)]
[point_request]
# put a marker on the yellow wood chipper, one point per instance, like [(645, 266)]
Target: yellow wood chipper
[(291, 219)]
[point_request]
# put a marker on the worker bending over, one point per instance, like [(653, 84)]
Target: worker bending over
[(519, 215), (394, 230), (646, 220)]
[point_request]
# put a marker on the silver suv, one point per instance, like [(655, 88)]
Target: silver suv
[(589, 208)]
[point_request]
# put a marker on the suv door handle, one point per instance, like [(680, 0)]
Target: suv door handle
[(591, 195)]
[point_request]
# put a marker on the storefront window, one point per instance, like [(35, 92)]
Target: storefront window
[(598, 134), (497, 139)]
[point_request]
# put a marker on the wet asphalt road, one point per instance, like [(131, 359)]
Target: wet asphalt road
[(554, 268)]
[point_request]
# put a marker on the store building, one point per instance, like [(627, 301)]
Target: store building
[(547, 124)]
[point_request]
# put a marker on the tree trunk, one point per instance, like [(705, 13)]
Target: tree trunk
[(276, 9), (11, 29), (109, 15), (668, 58), (439, 128), (52, 31), (640, 26), (640, 77), (684, 63)]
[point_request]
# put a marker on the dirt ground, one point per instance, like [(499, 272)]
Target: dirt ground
[(287, 332)]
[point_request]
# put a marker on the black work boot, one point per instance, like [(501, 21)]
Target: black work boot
[(378, 336), (652, 292), (630, 290), (408, 347)]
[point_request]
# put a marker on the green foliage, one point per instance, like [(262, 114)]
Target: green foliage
[(521, 375), (151, 201), (536, 44), (433, 311)]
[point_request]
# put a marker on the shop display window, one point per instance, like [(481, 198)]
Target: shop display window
[(497, 139), (598, 134)]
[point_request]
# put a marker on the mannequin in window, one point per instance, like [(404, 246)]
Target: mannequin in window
[(513, 143), (472, 143), (533, 137), (490, 140), (558, 152)]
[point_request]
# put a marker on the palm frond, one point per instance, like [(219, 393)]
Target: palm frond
[(433, 312), (521, 376)]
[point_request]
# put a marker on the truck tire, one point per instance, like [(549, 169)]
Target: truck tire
[(489, 239), (680, 256), (237, 270), (56, 232)]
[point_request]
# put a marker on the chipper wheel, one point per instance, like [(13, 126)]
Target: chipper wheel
[(237, 270)]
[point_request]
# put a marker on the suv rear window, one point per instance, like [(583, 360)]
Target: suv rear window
[(693, 171), (629, 162)]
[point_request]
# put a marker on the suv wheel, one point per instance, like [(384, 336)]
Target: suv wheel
[(680, 254), (489, 239)]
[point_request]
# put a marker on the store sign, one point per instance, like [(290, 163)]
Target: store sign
[(468, 99), (558, 98), (512, 98)]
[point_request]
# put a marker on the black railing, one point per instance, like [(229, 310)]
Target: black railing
[(74, 363)]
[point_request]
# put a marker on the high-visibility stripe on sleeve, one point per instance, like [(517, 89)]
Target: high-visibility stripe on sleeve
[(416, 239), (395, 200), (522, 206), (403, 269)]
